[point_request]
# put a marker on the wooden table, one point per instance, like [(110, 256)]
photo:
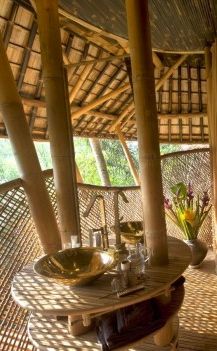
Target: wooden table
[(39, 295)]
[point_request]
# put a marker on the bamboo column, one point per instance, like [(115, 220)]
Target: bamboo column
[(15, 120), (100, 161), (147, 129), (58, 113), (211, 76)]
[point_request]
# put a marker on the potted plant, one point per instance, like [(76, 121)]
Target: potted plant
[(188, 213)]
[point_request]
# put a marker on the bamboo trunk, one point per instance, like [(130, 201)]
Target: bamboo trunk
[(211, 76), (100, 161), (58, 114), (129, 158), (15, 121), (147, 129)]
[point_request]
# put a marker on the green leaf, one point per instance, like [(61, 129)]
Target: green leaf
[(180, 190)]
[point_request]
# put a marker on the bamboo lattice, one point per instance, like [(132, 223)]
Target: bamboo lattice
[(19, 243)]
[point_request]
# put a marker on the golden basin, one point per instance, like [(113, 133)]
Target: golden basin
[(76, 266), (131, 232)]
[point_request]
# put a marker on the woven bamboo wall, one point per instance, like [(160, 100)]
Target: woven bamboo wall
[(19, 242)]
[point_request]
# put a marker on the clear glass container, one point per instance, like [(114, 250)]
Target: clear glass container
[(137, 260)]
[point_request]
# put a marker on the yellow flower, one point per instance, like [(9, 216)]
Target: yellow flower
[(188, 215)]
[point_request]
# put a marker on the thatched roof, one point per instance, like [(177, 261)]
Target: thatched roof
[(96, 31)]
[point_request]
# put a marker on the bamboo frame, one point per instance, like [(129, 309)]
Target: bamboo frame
[(62, 150), (74, 107), (211, 76), (80, 82), (147, 129), (26, 157), (99, 101), (158, 85), (99, 60)]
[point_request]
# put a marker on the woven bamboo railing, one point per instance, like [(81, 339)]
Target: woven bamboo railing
[(19, 243)]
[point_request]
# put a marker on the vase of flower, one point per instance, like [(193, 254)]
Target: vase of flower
[(188, 213), (198, 250)]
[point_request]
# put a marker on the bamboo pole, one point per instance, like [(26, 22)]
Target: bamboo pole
[(59, 124), (211, 76), (41, 103), (147, 129), (99, 101), (100, 161), (129, 158), (15, 121), (99, 60), (170, 71), (86, 71)]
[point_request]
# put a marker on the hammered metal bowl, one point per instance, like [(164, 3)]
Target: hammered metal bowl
[(76, 266), (131, 232)]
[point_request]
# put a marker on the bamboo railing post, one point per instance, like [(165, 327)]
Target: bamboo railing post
[(100, 161), (58, 114), (15, 120), (147, 129)]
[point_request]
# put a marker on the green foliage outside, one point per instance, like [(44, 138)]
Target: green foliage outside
[(116, 162)]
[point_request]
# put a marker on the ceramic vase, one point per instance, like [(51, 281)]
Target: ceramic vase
[(198, 250)]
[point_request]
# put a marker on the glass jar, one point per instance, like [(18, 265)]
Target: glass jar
[(137, 262)]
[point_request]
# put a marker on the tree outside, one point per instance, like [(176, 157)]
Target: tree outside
[(117, 165)]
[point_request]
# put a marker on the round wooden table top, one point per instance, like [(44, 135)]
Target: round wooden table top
[(38, 294)]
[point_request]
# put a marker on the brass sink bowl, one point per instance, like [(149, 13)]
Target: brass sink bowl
[(131, 232), (76, 266)]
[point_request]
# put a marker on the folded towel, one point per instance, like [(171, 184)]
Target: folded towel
[(136, 321)]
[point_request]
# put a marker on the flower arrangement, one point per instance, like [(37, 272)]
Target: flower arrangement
[(187, 211)]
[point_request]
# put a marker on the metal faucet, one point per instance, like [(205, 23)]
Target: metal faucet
[(102, 209), (118, 193)]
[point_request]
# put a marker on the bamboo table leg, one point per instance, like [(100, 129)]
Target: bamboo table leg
[(168, 335), (76, 326)]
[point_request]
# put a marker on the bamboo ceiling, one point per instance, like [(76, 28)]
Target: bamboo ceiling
[(95, 31)]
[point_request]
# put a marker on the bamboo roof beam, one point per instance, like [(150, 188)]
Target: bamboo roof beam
[(156, 60), (96, 36), (85, 73), (59, 124), (15, 120), (93, 37), (112, 117), (10, 24), (147, 131), (26, 55), (158, 85), (169, 72), (100, 100), (99, 60)]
